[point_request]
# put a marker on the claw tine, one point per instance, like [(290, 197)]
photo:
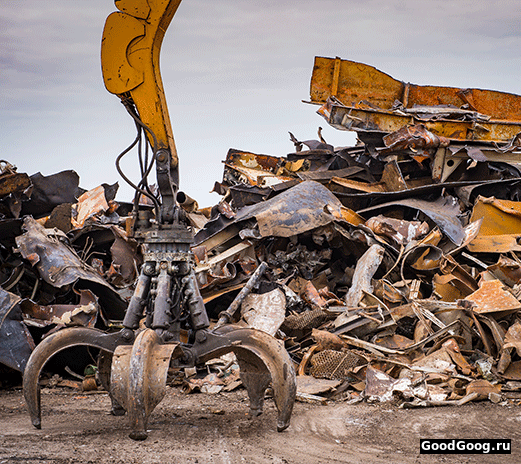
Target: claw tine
[(263, 358), (46, 350)]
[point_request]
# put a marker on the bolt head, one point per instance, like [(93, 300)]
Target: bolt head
[(200, 336)]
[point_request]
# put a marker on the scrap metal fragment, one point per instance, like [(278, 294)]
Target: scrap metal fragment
[(360, 97), (331, 364), (51, 191), (400, 231), (492, 297), (265, 311), (59, 265), (89, 205), (358, 81), (483, 388), (500, 231), (413, 137), (309, 385), (513, 337), (294, 211), (366, 266), (82, 314), (444, 211), (16, 343)]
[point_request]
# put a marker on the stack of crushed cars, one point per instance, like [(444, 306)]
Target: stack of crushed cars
[(393, 265)]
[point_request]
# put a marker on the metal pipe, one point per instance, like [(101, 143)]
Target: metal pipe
[(226, 316)]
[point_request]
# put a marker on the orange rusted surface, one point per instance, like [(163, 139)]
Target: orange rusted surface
[(500, 231), (357, 82), (493, 297), (356, 96), (386, 121), (499, 216)]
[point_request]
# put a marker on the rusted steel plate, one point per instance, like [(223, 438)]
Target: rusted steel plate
[(444, 212), (493, 297), (51, 191), (352, 82), (250, 160), (257, 177), (16, 343), (386, 121), (500, 231), (13, 182), (294, 211), (507, 270), (82, 314), (59, 265)]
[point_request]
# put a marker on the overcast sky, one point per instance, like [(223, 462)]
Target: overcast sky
[(234, 72)]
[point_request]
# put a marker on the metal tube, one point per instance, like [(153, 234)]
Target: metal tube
[(226, 316)]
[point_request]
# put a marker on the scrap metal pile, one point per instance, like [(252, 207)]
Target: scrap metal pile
[(393, 266)]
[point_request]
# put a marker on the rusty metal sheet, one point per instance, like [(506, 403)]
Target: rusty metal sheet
[(256, 177), (309, 385), (59, 265), (346, 215), (444, 211), (413, 137), (498, 215), (51, 191), (82, 314), (448, 265), (424, 257), (260, 170), (400, 231), (500, 231), (495, 244), (513, 337), (379, 194), (513, 371), (449, 288), (483, 388), (366, 267), (360, 186), (14, 189), (224, 267), (352, 82), (250, 160), (310, 295), (294, 211), (264, 311), (448, 159), (329, 174), (492, 297), (16, 343), (393, 178), (125, 260), (385, 121), (507, 270), (89, 205), (12, 181)]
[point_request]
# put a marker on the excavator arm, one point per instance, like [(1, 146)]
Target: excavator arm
[(130, 50)]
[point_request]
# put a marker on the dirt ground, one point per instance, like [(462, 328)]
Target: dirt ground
[(202, 428)]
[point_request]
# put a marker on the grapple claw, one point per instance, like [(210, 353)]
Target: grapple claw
[(138, 378), (48, 348), (261, 359)]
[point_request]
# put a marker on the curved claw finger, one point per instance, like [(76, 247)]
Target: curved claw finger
[(261, 359), (45, 350)]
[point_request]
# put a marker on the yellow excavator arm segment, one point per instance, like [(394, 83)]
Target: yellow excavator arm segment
[(130, 50)]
